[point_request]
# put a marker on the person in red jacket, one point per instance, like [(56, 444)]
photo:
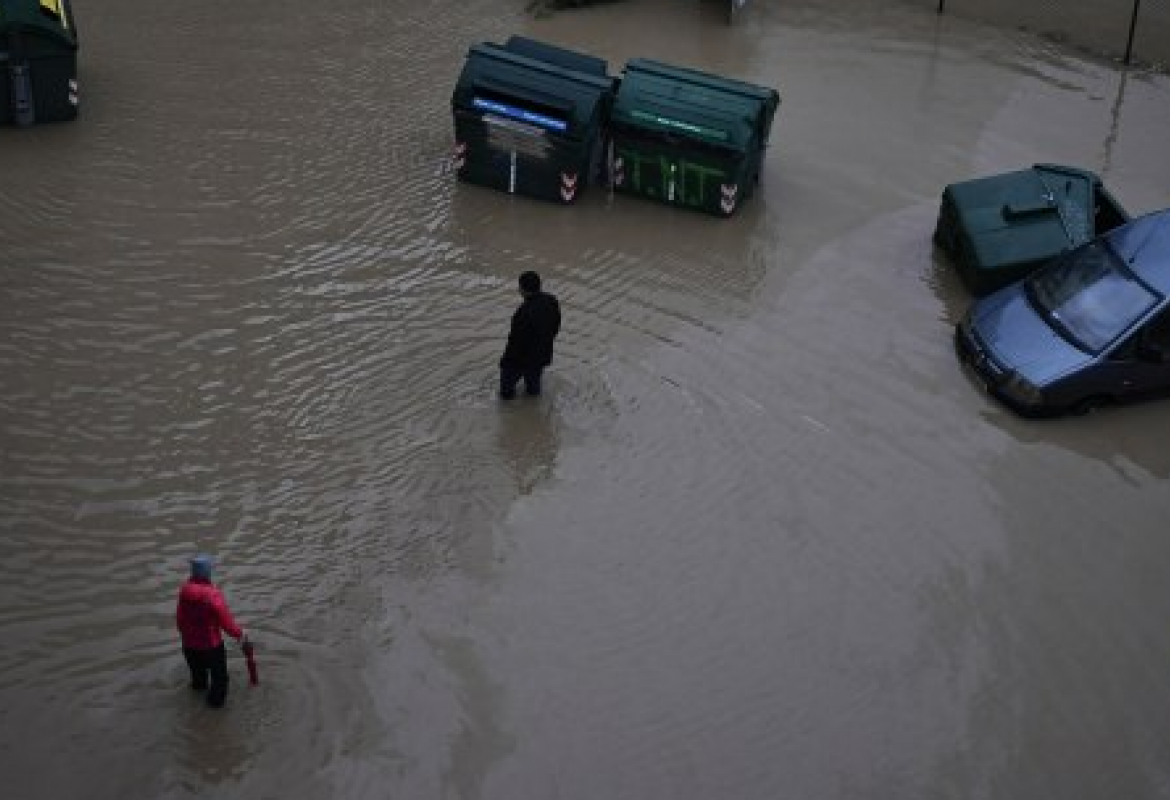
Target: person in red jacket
[(200, 616)]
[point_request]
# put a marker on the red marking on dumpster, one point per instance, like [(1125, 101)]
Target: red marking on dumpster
[(568, 186), (727, 201)]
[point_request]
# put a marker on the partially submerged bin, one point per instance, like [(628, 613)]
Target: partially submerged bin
[(998, 229), (687, 137), (38, 61), (530, 118)]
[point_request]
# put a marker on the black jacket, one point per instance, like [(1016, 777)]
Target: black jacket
[(534, 326)]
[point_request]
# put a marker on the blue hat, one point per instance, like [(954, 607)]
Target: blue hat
[(201, 566)]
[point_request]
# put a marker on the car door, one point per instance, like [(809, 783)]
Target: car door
[(1140, 367), (1152, 353)]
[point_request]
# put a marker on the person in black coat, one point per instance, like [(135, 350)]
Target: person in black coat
[(530, 342)]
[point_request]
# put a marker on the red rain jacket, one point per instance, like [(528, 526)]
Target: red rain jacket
[(201, 613)]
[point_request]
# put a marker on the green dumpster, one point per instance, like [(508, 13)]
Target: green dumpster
[(688, 138), (530, 118), (38, 61), (998, 229)]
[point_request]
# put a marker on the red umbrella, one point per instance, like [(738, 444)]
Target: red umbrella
[(250, 658)]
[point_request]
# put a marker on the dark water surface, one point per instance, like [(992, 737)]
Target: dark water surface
[(761, 538)]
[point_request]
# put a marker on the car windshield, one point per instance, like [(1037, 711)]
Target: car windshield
[(1091, 297)]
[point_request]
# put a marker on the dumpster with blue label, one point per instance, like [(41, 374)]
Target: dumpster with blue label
[(1000, 228), (38, 62), (689, 138), (530, 118)]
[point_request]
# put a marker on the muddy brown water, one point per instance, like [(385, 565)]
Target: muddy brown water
[(761, 538)]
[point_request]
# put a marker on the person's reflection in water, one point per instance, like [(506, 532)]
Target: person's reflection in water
[(528, 443), (214, 748)]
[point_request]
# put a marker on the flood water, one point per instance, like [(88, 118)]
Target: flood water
[(760, 539)]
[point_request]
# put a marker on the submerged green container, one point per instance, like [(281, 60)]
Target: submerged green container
[(530, 118), (998, 229), (689, 138), (38, 62)]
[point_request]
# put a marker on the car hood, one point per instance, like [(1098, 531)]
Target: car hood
[(1020, 340)]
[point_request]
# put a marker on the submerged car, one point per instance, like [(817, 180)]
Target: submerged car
[(1091, 328)]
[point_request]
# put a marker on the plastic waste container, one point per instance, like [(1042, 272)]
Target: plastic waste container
[(530, 118), (38, 62), (689, 138), (998, 229)]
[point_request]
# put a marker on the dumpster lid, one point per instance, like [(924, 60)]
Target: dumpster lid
[(1045, 194), (764, 95), (1027, 215), (50, 18), (523, 61), (695, 105), (521, 87), (562, 57)]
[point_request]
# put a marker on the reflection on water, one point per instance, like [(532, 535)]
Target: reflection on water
[(760, 537), (528, 442)]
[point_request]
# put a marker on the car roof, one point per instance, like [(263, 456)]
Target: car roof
[(1144, 243)]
